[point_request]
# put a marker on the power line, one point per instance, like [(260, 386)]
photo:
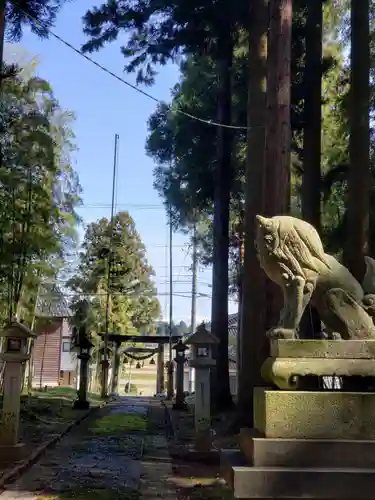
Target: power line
[(176, 266), (114, 294), (182, 294), (127, 205), (125, 82), (182, 267), (163, 246), (155, 245)]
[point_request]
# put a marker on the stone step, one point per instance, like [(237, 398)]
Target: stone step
[(313, 453), (297, 482), (229, 459), (278, 452)]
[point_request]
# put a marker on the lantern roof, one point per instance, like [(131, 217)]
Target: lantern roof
[(201, 336), (17, 329), (180, 346)]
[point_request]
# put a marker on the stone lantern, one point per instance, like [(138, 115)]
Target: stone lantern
[(201, 343), (16, 351), (180, 359), (84, 346)]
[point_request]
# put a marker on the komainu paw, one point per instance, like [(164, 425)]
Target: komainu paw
[(281, 333)]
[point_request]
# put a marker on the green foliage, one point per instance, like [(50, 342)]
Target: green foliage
[(27, 13), (132, 295), (335, 159), (67, 393), (39, 192), (181, 328), (185, 150), (159, 31)]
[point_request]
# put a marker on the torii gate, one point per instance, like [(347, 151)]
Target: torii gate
[(118, 339)]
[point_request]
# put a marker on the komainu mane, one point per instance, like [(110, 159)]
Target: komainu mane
[(291, 253)]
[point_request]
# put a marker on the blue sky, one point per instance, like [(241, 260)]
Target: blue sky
[(104, 107)]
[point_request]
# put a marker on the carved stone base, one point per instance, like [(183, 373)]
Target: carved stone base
[(314, 415), (291, 359), (331, 349)]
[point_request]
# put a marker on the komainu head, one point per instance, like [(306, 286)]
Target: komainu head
[(290, 246)]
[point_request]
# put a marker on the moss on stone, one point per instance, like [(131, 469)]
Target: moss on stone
[(314, 415), (347, 349), (118, 423)]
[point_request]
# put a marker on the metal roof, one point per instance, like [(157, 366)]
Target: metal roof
[(232, 330), (51, 302), (232, 324)]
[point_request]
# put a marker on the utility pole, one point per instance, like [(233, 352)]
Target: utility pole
[(105, 363), (170, 364), (193, 301)]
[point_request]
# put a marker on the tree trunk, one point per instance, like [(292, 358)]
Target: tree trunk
[(219, 315), (278, 132), (30, 367), (359, 177), (312, 115), (359, 180), (311, 179), (42, 362), (252, 325)]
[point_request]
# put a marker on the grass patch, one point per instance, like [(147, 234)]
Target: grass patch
[(68, 392), (113, 424), (94, 494)]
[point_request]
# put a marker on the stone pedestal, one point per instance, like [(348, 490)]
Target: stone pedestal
[(180, 359), (202, 342), (15, 354), (160, 370), (170, 380), (11, 403), (308, 444), (314, 415), (115, 368), (104, 379), (180, 400), (202, 413), (82, 403)]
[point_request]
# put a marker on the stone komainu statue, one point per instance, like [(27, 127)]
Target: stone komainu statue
[(291, 253)]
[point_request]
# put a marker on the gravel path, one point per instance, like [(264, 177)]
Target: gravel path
[(118, 453)]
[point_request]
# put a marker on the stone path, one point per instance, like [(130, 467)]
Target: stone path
[(118, 453), (156, 475)]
